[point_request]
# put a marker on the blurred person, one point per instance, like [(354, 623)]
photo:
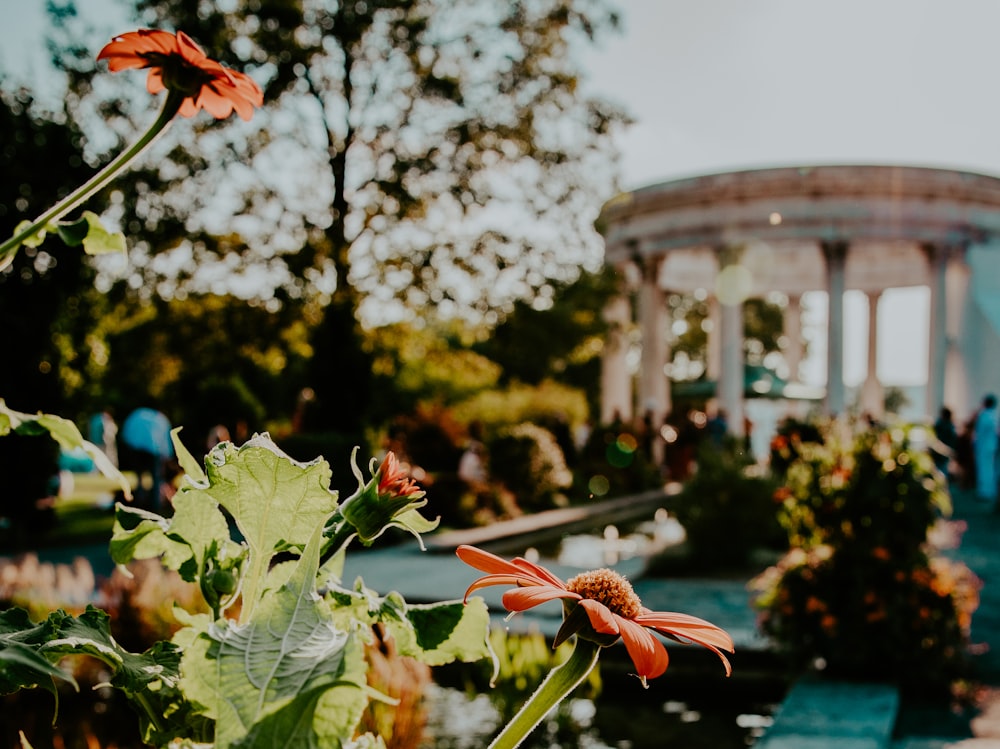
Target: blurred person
[(984, 443), (944, 448), (472, 465), (147, 446)]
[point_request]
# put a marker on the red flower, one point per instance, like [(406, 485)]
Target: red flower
[(600, 606), (394, 481), (178, 64)]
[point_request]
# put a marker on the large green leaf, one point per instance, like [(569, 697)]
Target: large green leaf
[(267, 676), (449, 631), (277, 502), (21, 664), (21, 667), (141, 534), (435, 634), (29, 652)]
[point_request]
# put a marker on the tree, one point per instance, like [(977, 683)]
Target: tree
[(557, 337), (436, 150), (206, 360), (430, 152)]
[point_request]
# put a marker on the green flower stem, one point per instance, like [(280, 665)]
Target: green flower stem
[(170, 107), (559, 683)]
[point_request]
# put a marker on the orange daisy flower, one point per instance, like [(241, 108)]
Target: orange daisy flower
[(394, 481), (176, 63), (599, 606)]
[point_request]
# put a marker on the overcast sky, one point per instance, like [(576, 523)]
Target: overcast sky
[(716, 85), (723, 84)]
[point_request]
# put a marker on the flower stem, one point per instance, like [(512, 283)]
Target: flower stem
[(171, 105), (559, 683)]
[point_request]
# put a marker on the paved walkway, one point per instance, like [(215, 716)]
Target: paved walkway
[(978, 727)]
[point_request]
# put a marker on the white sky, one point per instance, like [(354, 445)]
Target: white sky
[(716, 85)]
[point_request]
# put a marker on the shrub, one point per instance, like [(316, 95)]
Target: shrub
[(861, 594), (613, 465), (547, 402), (727, 509), (527, 460)]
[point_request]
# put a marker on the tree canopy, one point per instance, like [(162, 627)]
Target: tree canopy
[(433, 152)]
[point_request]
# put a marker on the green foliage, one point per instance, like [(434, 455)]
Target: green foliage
[(527, 460), (860, 591), (547, 402), (209, 359), (561, 339), (727, 507), (786, 445), (421, 364), (291, 665), (613, 463), (64, 433), (49, 349), (87, 231)]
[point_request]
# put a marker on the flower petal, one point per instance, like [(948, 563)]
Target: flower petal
[(690, 627), (132, 50), (190, 51), (205, 83), (647, 653), (522, 599), (488, 580), (682, 627), (601, 618), (538, 570), (521, 569)]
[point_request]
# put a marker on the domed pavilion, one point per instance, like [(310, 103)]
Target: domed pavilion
[(745, 234)]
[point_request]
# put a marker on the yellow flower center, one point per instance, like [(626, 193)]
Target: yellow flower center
[(609, 588)]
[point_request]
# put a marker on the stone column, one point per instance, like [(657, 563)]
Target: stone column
[(793, 336), (654, 390), (937, 259), (616, 381), (835, 254), (731, 371), (872, 396), (713, 349), (956, 379)]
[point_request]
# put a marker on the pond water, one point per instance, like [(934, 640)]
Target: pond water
[(619, 720), (611, 544)]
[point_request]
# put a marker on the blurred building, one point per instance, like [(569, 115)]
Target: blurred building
[(744, 234)]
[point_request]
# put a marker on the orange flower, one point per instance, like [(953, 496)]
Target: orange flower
[(176, 63), (599, 606), (395, 481)]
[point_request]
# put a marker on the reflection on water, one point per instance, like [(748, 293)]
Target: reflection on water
[(611, 545), (460, 721)]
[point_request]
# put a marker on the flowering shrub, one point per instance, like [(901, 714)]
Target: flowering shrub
[(862, 593), (726, 508), (787, 441), (528, 461)]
